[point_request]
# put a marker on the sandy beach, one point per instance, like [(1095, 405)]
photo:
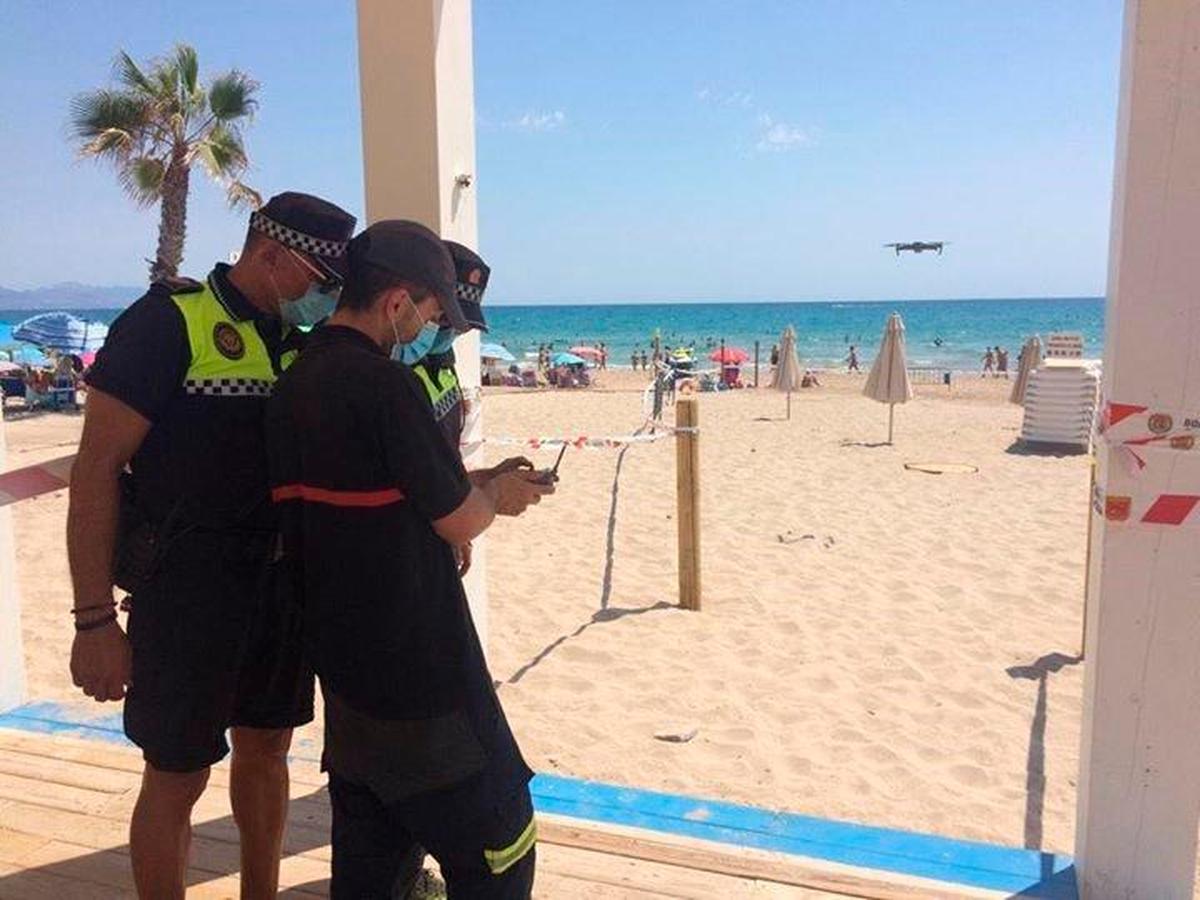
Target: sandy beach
[(869, 643)]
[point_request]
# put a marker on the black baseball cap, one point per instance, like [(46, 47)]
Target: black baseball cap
[(471, 278), (411, 252), (315, 227)]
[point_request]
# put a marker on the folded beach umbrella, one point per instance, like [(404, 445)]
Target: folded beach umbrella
[(62, 332), (1031, 358), (787, 374), (888, 382)]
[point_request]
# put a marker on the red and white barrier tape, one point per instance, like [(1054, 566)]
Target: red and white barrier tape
[(582, 442), (1132, 428), (55, 474), (44, 478), (1156, 509)]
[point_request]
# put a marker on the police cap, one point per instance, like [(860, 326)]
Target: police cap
[(471, 278), (317, 228)]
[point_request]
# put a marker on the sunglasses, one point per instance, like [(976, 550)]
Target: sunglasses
[(326, 283)]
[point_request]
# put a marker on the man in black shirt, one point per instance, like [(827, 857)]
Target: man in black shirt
[(177, 394), (416, 745)]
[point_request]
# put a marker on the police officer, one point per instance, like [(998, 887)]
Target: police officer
[(173, 450), (431, 357)]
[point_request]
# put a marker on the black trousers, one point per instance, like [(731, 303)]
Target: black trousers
[(484, 854)]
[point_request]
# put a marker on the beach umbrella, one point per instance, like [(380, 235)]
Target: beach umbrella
[(592, 353), (787, 374), (62, 332), (729, 356), (495, 351), (567, 359), (888, 382), (1031, 358)]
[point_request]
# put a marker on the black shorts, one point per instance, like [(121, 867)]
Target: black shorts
[(488, 852), (214, 645)]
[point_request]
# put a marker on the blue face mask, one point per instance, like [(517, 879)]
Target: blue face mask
[(444, 342), (309, 309), (412, 352)]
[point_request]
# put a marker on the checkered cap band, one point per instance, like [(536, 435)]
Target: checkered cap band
[(228, 387), (472, 293), (297, 240)]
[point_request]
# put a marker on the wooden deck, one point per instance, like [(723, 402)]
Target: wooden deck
[(65, 806)]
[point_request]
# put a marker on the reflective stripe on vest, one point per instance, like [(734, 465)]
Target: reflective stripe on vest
[(444, 395), (229, 358)]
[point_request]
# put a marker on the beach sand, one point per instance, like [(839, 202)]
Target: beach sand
[(869, 639)]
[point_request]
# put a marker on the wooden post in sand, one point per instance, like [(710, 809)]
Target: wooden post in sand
[(1139, 773), (756, 363), (687, 486)]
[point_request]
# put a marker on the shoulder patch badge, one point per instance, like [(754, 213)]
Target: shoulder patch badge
[(229, 342)]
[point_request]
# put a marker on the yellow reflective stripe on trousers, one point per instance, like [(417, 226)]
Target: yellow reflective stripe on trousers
[(500, 861)]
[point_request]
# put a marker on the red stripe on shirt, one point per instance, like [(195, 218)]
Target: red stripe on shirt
[(336, 498)]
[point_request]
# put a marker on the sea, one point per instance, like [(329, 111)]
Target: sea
[(951, 334)]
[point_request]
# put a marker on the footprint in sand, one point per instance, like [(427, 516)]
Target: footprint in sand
[(970, 776)]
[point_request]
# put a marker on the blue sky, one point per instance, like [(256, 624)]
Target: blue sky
[(635, 151)]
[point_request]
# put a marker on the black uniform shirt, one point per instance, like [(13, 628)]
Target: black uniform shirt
[(360, 472), (204, 454)]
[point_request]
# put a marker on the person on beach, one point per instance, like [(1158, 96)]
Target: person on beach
[(177, 394), (774, 354), (633, 361), (989, 363), (372, 503), (603, 356), (852, 360), (1001, 362)]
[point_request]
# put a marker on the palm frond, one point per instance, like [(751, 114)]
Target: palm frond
[(231, 96), (242, 196), (142, 179), (111, 142), (166, 79), (130, 74), (221, 153), (188, 67), (96, 112)]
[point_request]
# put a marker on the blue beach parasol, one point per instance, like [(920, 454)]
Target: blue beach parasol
[(567, 359), (495, 351), (62, 332)]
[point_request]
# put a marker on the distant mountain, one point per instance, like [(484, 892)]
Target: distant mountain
[(70, 295)]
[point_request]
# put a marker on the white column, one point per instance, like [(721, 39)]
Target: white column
[(1139, 785), (12, 654), (416, 78)]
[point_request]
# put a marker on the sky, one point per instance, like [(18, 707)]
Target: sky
[(632, 151)]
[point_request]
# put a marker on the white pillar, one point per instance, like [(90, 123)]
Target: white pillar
[(1139, 785), (416, 78), (12, 654)]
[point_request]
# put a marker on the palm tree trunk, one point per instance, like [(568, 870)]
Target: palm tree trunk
[(172, 226)]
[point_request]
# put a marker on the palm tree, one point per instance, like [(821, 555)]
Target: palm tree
[(155, 124)]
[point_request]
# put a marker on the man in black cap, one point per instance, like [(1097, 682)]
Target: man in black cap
[(416, 745), (170, 501)]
